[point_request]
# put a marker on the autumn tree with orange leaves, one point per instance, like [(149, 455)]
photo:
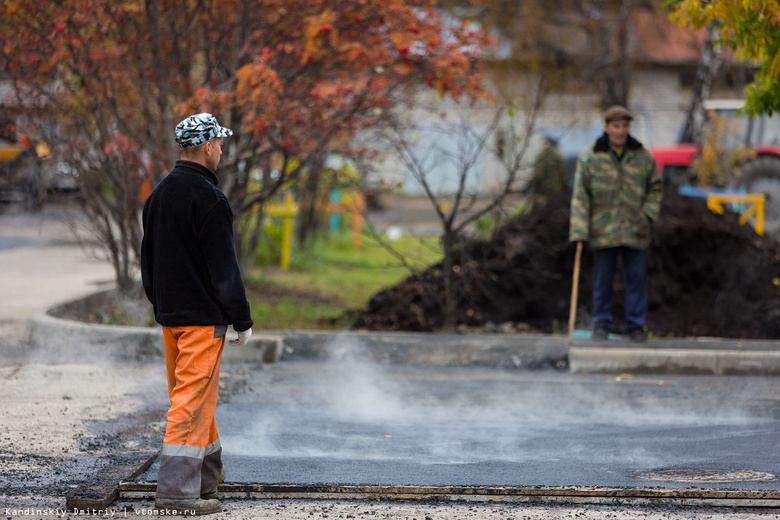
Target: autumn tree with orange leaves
[(294, 80)]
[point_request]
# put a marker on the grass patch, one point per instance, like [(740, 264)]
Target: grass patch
[(329, 280)]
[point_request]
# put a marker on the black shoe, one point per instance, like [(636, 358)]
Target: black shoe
[(600, 333), (637, 335)]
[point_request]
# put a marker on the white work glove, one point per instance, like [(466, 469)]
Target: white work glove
[(243, 337)]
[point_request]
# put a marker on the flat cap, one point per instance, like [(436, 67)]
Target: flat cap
[(617, 113)]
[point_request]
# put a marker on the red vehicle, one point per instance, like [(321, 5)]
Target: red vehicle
[(758, 174), (674, 162)]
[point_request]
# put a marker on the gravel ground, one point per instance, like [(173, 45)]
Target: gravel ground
[(62, 423), (289, 510)]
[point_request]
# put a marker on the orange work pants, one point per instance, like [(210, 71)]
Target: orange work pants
[(191, 459)]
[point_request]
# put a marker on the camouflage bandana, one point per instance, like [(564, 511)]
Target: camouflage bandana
[(198, 129)]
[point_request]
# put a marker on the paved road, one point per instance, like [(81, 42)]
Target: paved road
[(294, 417), (349, 421)]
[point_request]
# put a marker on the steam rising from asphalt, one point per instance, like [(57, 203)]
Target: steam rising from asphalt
[(353, 406), (358, 390)]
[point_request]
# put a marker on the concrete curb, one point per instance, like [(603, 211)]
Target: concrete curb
[(52, 335), (123, 342), (429, 349), (712, 356), (668, 361)]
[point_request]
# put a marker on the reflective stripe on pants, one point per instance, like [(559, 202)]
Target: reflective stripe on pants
[(191, 459)]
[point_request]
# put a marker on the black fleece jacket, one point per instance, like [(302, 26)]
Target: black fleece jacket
[(189, 265)]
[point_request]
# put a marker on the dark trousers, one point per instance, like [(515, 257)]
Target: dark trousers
[(634, 262)]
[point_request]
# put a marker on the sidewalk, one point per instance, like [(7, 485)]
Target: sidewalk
[(43, 264)]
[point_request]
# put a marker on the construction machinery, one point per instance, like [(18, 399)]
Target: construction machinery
[(746, 148)]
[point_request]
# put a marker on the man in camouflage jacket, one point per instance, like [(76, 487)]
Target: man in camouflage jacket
[(550, 177), (617, 194)]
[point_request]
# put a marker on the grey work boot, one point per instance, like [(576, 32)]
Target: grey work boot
[(188, 506), (209, 495)]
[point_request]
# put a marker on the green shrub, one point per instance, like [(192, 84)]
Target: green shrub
[(269, 250)]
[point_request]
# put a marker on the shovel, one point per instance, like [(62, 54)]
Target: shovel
[(574, 286)]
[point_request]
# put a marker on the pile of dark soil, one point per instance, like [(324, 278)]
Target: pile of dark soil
[(708, 276)]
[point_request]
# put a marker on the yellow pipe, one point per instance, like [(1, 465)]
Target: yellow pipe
[(756, 200), (288, 211)]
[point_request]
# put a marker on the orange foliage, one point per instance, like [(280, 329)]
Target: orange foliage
[(285, 75)]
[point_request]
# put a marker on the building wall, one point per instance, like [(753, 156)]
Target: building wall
[(659, 103), (658, 100)]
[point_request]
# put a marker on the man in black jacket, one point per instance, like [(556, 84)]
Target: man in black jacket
[(191, 275)]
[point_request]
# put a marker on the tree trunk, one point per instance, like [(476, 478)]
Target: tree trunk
[(612, 59), (252, 241), (620, 82), (448, 277), (709, 66), (309, 220)]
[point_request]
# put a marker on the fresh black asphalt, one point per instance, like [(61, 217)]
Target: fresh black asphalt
[(347, 419)]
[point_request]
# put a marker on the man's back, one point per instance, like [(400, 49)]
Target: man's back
[(550, 176), (189, 268)]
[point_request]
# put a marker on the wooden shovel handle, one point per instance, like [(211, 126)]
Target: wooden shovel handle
[(574, 286)]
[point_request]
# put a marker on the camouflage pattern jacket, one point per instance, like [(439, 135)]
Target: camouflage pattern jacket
[(614, 202)]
